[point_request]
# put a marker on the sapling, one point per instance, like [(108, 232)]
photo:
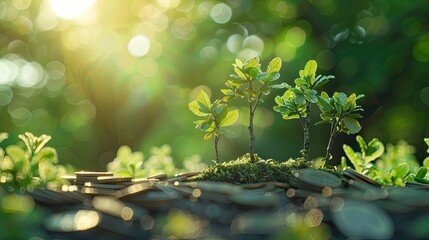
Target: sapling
[(215, 115), (341, 112), (251, 83), (296, 101)]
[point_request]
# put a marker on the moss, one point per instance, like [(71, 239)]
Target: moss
[(242, 171)]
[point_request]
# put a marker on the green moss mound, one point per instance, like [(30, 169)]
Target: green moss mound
[(242, 171)]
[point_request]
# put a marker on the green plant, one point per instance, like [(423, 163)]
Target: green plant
[(127, 163), (393, 165), (216, 116), (251, 83), (133, 164), (296, 101), (30, 164), (341, 112)]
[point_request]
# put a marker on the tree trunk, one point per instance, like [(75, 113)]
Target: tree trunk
[(306, 132), (216, 140), (331, 139), (251, 133)]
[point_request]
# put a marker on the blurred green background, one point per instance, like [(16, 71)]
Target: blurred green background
[(96, 75)]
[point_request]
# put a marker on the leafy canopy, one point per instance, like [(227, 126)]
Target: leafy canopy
[(215, 115), (250, 81), (341, 109)]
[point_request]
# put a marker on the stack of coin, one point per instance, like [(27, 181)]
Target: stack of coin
[(314, 180), (98, 182), (350, 176)]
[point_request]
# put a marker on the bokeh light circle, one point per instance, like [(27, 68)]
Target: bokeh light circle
[(221, 13), (139, 46)]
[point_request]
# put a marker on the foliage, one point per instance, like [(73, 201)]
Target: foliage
[(426, 160), (217, 115), (251, 83), (395, 166), (188, 46), (30, 164), (245, 171), (133, 164), (341, 112)]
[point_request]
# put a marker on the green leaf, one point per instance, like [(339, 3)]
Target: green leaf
[(205, 125), (238, 63), (15, 153), (240, 73), (322, 80), (341, 99), (299, 99), (324, 105), (351, 155), (426, 162), (254, 72), (204, 100), (3, 136), (310, 71), (274, 65), (279, 100), (279, 86), (218, 108), (194, 106), (310, 68), (231, 118), (273, 76), (251, 62), (421, 172), (300, 81), (401, 170), (421, 180), (47, 154), (362, 143), (227, 92), (324, 95), (352, 125), (374, 150)]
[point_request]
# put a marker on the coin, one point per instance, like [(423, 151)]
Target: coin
[(349, 173), (111, 179), (161, 176), (92, 174), (363, 220), (255, 200)]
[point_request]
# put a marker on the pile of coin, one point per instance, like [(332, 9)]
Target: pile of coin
[(156, 207), (314, 180), (350, 176)]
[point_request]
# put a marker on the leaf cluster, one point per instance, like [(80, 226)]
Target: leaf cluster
[(215, 115), (342, 110), (133, 164), (294, 101), (391, 165), (250, 81), (29, 164)]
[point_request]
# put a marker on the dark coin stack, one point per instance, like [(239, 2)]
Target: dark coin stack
[(316, 203)]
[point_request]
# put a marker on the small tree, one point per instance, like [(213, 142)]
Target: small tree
[(250, 82), (296, 101), (215, 115), (341, 112)]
